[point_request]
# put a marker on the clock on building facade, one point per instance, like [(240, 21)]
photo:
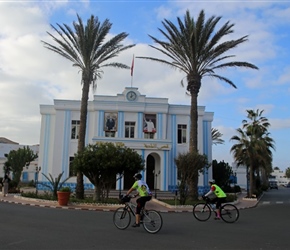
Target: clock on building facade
[(131, 96)]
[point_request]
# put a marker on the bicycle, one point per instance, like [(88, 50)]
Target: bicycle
[(202, 211), (150, 219)]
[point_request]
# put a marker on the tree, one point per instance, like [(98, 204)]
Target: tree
[(258, 125), (17, 160), (86, 49), (221, 172), (216, 136), (193, 48), (101, 163), (287, 173), (253, 145), (189, 166)]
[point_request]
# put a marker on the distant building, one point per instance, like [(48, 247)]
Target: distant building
[(155, 129), (280, 177), (6, 146), (241, 173)]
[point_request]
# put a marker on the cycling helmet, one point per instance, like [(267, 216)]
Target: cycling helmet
[(138, 176), (211, 181)]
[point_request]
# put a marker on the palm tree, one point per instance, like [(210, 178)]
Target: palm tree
[(253, 145), (216, 136), (86, 48), (194, 49), (258, 125)]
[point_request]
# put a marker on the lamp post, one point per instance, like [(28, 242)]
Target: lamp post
[(155, 183), (248, 184), (120, 179), (37, 169)]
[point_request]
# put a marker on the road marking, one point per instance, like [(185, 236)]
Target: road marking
[(279, 202), (266, 202)]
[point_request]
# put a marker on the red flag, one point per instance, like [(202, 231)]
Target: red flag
[(132, 67)]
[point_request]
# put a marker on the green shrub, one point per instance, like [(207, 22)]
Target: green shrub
[(264, 187), (231, 197), (49, 196), (44, 196), (31, 183), (237, 189), (65, 189)]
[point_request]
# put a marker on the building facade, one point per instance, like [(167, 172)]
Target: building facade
[(29, 173), (279, 176), (155, 129)]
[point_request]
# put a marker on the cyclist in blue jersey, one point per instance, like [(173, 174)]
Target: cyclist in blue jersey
[(145, 195)]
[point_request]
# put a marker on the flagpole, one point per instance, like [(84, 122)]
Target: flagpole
[(132, 71)]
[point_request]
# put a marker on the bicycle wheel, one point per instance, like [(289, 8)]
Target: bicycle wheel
[(201, 211), (229, 213), (122, 218), (152, 221)]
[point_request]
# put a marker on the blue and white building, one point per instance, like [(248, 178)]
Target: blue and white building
[(29, 172), (157, 130)]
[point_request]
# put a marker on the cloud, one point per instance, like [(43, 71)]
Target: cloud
[(284, 77), (279, 123)]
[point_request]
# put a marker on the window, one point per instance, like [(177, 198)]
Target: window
[(149, 126), (72, 172), (181, 134), (129, 129), (75, 128), (111, 121), (110, 134), (149, 135)]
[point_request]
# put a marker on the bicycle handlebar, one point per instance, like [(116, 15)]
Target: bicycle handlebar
[(125, 198)]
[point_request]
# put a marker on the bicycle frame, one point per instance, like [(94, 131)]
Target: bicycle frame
[(211, 207), (202, 211), (150, 219), (130, 207)]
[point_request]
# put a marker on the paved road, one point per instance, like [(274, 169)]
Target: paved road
[(263, 227)]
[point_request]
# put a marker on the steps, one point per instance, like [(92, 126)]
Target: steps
[(115, 194)]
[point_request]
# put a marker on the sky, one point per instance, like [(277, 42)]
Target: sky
[(31, 75)]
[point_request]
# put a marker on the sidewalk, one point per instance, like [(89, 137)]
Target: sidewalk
[(155, 204)]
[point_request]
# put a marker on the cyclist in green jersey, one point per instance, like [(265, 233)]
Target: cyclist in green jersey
[(144, 191), (220, 197)]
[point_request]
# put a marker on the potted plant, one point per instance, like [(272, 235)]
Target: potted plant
[(63, 196), (55, 184)]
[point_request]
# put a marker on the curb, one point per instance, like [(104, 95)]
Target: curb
[(111, 208), (60, 207)]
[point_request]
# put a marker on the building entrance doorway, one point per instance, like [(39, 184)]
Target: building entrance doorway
[(150, 166)]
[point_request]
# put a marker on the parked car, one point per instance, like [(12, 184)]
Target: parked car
[(288, 185), (273, 185)]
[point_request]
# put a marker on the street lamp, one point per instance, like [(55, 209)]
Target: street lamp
[(155, 183), (120, 179), (248, 182), (37, 169)]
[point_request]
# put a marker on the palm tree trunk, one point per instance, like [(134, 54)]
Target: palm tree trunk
[(251, 181), (82, 133), (194, 123), (193, 143), (264, 176)]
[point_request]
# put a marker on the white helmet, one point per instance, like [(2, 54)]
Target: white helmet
[(211, 181)]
